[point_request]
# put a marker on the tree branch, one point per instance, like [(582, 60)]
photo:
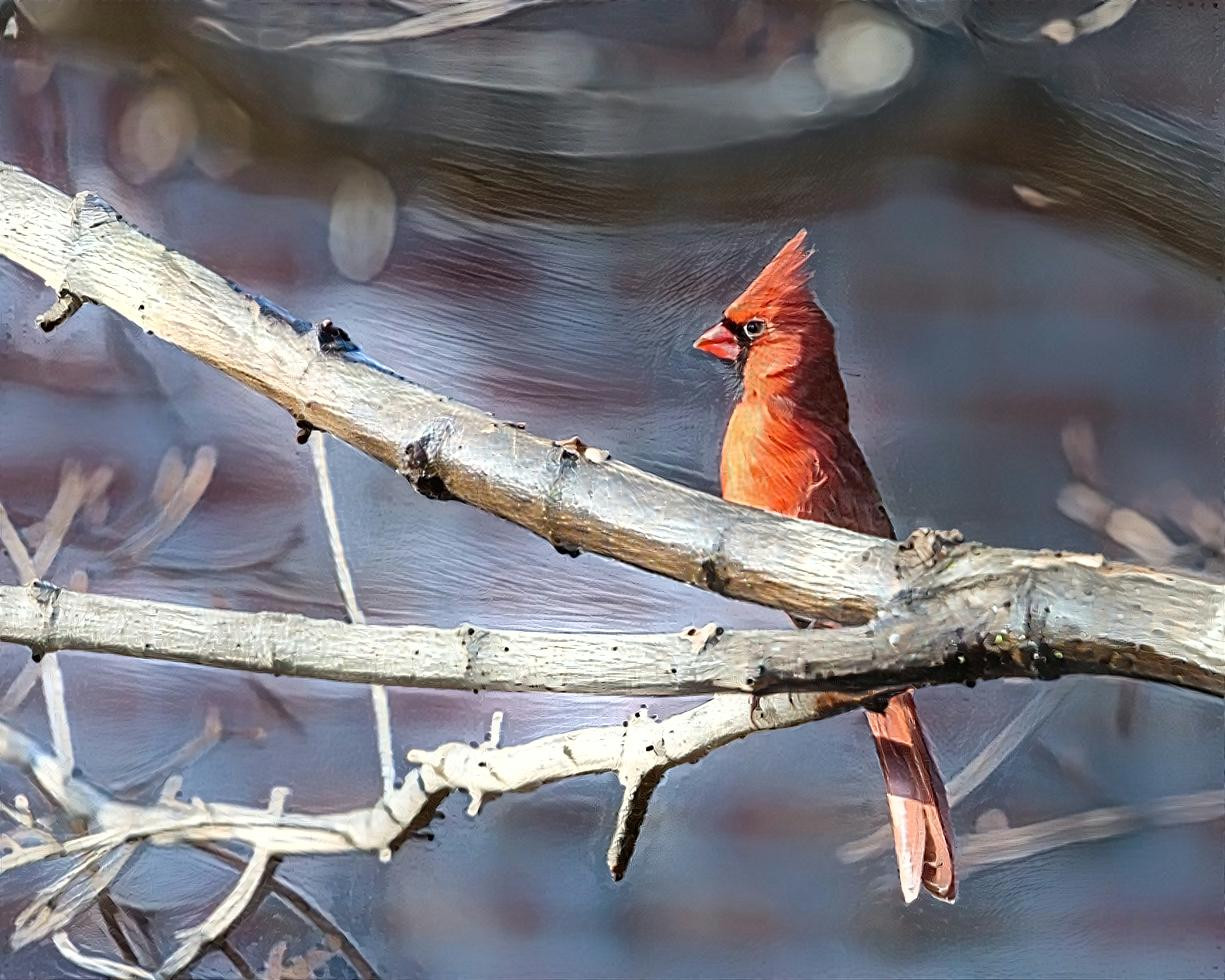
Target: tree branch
[(909, 647), (344, 584), (1049, 612), (641, 747)]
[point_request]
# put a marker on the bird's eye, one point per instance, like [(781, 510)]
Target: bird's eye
[(754, 329)]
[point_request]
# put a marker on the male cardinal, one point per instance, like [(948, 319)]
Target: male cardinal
[(789, 448)]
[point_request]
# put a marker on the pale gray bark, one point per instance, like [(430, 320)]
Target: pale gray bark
[(947, 641)]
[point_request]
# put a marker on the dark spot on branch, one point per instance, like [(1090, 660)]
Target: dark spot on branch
[(420, 469), (333, 340), (712, 579), (304, 431)]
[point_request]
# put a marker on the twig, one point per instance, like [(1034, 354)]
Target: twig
[(306, 908), (16, 548), (237, 960), (57, 709), (187, 753), (438, 19), (135, 947), (1009, 739), (21, 687), (638, 752), (98, 964), (227, 912), (344, 582), (57, 905), (63, 509), (65, 305), (483, 773)]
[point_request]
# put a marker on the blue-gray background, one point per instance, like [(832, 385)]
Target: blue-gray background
[(567, 197)]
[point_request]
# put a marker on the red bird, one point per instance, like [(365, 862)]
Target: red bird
[(789, 448)]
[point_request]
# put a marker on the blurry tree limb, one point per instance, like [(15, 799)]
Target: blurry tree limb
[(908, 647), (1138, 529), (1145, 177), (432, 17), (1135, 175), (1046, 609), (1004, 844)]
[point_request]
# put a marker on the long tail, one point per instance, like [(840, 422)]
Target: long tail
[(918, 808)]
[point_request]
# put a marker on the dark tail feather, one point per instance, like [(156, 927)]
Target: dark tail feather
[(918, 808)]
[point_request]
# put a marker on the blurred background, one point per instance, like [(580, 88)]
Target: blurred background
[(535, 207)]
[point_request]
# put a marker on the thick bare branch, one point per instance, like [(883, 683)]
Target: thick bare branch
[(909, 647), (1120, 618)]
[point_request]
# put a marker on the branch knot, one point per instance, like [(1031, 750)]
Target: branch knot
[(925, 549), (420, 464)]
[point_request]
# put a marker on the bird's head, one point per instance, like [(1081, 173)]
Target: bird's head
[(775, 329)]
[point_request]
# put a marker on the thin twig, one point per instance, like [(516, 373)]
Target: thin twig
[(98, 964), (116, 918), (231, 952), (16, 549), (187, 753), (193, 941), (344, 582), (57, 709), (305, 907), (21, 687)]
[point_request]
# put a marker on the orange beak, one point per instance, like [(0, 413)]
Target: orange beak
[(719, 342)]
